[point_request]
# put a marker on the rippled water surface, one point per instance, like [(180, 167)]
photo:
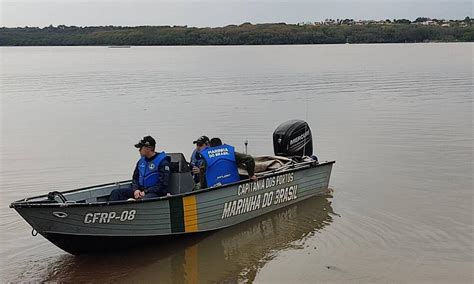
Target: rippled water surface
[(396, 118)]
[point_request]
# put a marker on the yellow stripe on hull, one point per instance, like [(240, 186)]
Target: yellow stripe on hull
[(190, 214)]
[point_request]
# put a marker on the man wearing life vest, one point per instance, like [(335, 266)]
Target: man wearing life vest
[(221, 164), (151, 175), (196, 159)]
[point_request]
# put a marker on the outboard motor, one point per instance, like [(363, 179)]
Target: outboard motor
[(293, 139)]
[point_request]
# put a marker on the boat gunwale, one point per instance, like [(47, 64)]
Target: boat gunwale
[(25, 203)]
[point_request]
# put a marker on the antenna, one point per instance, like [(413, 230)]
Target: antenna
[(306, 123)]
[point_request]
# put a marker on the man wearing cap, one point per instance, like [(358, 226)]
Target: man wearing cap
[(151, 175), (220, 164), (196, 159)]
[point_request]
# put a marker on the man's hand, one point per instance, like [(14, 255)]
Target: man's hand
[(195, 170), (254, 178), (136, 194), (168, 194)]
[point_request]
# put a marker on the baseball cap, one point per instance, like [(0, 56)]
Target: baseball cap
[(201, 140), (146, 141)]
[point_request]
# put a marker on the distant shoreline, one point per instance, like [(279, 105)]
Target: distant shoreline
[(330, 32), (249, 45)]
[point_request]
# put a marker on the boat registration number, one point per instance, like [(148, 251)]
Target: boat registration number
[(107, 217)]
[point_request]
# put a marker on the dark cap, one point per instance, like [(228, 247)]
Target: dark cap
[(147, 141), (201, 140)]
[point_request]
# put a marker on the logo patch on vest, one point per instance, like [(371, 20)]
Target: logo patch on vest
[(151, 166)]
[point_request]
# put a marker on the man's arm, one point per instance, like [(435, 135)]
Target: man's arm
[(194, 165), (164, 173), (202, 174), (247, 162), (135, 185)]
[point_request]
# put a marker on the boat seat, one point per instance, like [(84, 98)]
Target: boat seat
[(181, 180), (178, 163)]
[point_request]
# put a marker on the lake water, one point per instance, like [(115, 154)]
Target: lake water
[(397, 119)]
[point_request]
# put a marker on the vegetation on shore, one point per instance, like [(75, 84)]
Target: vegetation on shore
[(326, 32)]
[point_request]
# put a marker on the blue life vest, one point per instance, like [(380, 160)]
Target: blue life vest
[(221, 167), (148, 174)]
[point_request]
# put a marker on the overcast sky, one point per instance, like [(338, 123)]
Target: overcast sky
[(19, 13)]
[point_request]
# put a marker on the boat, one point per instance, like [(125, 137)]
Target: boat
[(119, 46), (83, 221)]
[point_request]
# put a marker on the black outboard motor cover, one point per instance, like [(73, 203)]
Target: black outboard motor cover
[(293, 139)]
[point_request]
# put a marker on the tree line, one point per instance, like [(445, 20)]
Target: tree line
[(396, 31)]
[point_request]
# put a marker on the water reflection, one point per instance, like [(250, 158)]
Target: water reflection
[(230, 255)]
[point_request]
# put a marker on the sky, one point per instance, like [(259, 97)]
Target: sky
[(212, 13)]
